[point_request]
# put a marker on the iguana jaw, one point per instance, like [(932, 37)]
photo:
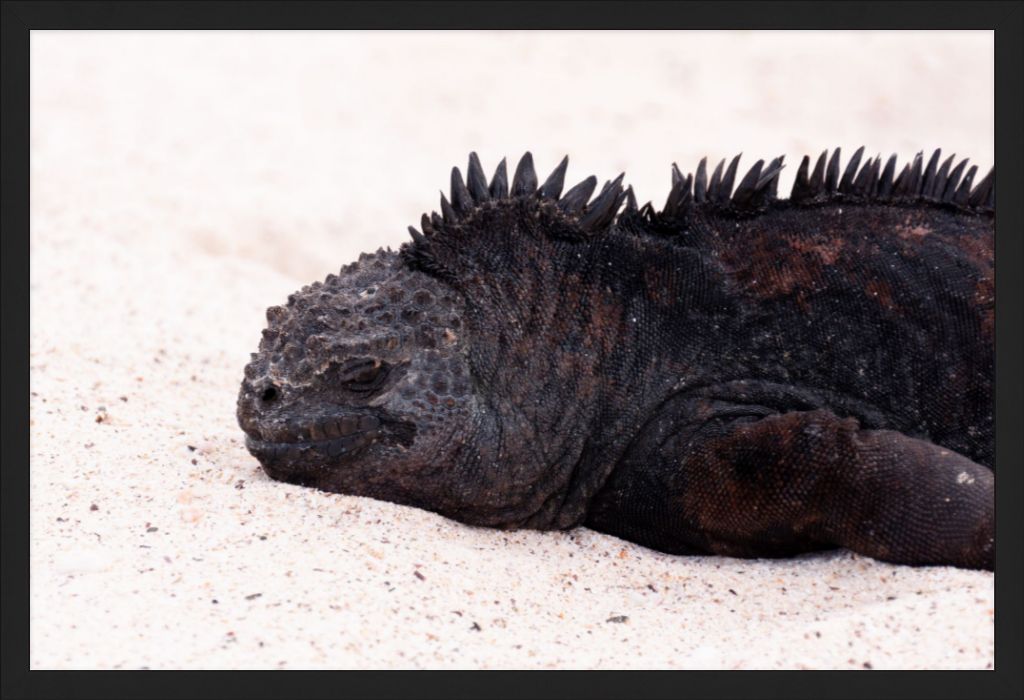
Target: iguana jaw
[(320, 443), (316, 430)]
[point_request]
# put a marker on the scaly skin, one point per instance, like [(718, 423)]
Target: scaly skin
[(734, 374)]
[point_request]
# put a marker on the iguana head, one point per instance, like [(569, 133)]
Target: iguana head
[(450, 376), (362, 382)]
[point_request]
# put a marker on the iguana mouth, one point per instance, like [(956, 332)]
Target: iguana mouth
[(333, 437), (335, 447), (324, 430)]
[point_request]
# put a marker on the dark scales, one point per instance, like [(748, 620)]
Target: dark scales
[(734, 373)]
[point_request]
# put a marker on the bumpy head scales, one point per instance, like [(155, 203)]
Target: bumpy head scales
[(355, 377)]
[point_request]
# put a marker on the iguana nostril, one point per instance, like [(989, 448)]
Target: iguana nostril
[(269, 394)]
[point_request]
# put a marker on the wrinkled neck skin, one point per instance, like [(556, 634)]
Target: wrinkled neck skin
[(566, 349)]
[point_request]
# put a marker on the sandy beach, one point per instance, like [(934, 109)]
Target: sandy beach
[(181, 183)]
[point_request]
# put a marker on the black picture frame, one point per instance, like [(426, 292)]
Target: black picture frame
[(1006, 19)]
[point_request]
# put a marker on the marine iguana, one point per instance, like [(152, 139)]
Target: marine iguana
[(734, 373)]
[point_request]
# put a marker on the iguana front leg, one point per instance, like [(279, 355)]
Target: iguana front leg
[(785, 483)]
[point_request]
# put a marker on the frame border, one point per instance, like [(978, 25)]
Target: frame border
[(1006, 19)]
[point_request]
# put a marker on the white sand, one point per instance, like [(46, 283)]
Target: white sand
[(181, 183)]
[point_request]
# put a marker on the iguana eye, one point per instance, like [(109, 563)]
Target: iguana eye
[(363, 375)]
